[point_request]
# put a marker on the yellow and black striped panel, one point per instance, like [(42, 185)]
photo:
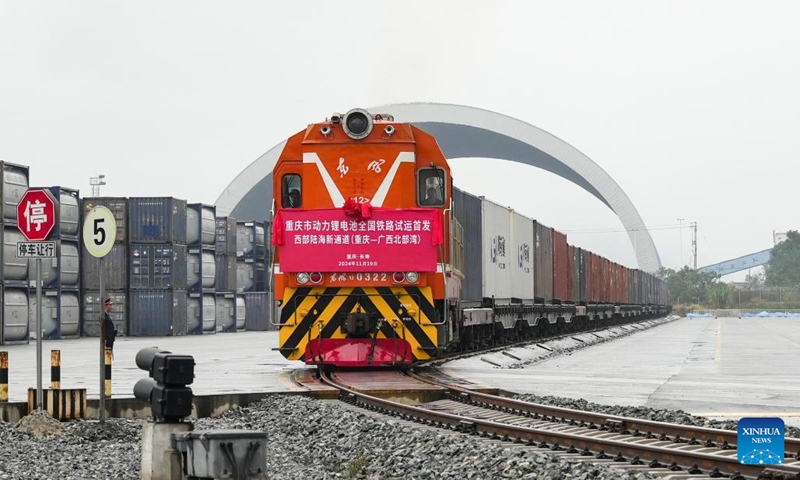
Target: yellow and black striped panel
[(307, 311)]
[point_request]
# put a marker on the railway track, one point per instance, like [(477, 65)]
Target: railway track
[(605, 438)]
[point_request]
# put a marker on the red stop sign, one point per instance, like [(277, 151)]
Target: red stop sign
[(36, 215)]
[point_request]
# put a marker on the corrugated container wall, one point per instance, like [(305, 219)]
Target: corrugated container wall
[(157, 312), (157, 220), (543, 262), (201, 225), (14, 327), (257, 316), (498, 257), (582, 259), (115, 269), (15, 270), (158, 266), (93, 311), (225, 236), (572, 274), (467, 210), (60, 314), (226, 273), (520, 267), (561, 275), (14, 185), (119, 209)]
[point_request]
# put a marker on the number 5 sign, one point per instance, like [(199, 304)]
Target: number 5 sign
[(99, 231)]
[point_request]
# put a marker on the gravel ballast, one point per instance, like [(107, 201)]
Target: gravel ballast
[(307, 439)]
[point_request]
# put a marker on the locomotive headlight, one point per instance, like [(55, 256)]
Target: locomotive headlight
[(412, 277), (303, 278), (357, 123)]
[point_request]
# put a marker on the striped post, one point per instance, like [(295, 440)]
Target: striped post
[(55, 369), (3, 376), (108, 355)]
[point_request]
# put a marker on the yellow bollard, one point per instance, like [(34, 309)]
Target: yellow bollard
[(108, 356), (3, 376), (55, 369)]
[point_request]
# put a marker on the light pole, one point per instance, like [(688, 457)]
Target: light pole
[(680, 234)]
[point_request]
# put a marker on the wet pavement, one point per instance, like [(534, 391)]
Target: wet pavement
[(720, 368)]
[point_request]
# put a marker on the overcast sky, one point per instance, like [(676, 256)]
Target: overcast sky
[(693, 107)]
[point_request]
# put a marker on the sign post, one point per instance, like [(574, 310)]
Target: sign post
[(36, 213), (99, 232)]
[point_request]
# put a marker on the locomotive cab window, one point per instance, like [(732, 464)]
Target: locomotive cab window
[(430, 187), (291, 191)]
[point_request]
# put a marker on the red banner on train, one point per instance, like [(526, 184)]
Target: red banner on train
[(330, 240)]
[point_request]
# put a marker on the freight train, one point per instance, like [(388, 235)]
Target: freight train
[(380, 261)]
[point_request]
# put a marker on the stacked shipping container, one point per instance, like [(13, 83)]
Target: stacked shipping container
[(61, 275), (157, 267), (230, 304), (14, 293), (251, 274), (201, 239), (114, 268)]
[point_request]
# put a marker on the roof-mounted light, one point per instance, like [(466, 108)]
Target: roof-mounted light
[(357, 123)]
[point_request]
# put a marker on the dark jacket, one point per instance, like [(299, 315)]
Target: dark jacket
[(110, 331)]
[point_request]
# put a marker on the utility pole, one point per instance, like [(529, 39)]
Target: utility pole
[(694, 243), (680, 234)]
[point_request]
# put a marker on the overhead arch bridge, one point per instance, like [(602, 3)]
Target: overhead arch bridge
[(462, 132)]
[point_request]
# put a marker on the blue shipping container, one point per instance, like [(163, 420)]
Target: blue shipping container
[(157, 220), (154, 265), (226, 236), (157, 312), (257, 311)]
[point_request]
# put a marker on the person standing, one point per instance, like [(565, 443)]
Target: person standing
[(109, 333)]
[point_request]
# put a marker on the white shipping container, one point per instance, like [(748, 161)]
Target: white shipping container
[(498, 257), (522, 251)]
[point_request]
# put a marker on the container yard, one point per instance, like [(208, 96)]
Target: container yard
[(174, 269)]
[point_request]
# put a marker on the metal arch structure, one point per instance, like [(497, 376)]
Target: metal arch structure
[(464, 131)]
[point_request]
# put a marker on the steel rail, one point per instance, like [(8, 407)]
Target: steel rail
[(713, 437), (640, 450)]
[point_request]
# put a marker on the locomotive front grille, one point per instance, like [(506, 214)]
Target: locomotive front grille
[(310, 313)]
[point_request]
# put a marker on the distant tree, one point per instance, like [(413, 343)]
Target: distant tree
[(755, 281), (664, 273), (719, 294), (687, 285), (783, 268)]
